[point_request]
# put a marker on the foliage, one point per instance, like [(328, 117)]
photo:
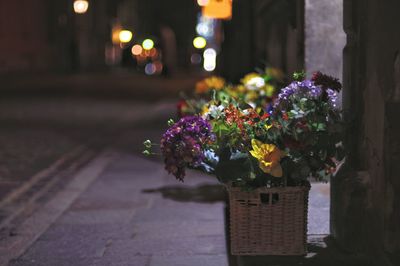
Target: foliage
[(255, 89), (296, 137)]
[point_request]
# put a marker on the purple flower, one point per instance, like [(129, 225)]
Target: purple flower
[(299, 89), (332, 97), (182, 144)]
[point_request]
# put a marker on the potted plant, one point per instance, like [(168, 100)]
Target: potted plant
[(264, 157)]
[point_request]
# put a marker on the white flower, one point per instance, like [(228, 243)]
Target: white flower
[(255, 83), (214, 111)]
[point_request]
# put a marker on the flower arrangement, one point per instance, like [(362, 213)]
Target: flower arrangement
[(297, 137), (255, 89)]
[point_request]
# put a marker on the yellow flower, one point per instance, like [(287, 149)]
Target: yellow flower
[(275, 73), (249, 77), (268, 156), (251, 96), (269, 90), (267, 127), (204, 110), (241, 88), (207, 84), (215, 82)]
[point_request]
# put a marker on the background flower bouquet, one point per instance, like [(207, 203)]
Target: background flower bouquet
[(255, 89)]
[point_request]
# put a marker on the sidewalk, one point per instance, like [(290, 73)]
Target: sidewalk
[(122, 208), (134, 214)]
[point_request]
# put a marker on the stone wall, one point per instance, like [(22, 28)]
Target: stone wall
[(366, 194), (324, 36)]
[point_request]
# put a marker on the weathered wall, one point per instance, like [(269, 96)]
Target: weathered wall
[(366, 195), (324, 36)]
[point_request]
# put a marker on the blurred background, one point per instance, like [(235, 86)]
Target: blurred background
[(169, 37), (69, 68), (81, 76)]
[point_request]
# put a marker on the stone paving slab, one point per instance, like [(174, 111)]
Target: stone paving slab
[(173, 229), (180, 246), (318, 209), (126, 218), (52, 261), (197, 260)]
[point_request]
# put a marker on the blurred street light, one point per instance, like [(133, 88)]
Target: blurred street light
[(137, 49), (195, 59), (210, 59), (218, 9), (150, 69), (81, 6), (125, 36), (148, 44), (199, 42), (203, 2)]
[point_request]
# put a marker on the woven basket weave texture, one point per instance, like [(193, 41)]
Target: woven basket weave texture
[(268, 221)]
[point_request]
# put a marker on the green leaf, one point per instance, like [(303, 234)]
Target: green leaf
[(236, 167), (147, 144), (170, 122)]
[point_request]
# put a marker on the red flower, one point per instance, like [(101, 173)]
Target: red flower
[(303, 125), (232, 115), (327, 82), (181, 107), (264, 116), (285, 116)]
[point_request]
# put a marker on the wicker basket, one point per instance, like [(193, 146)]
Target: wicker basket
[(268, 221)]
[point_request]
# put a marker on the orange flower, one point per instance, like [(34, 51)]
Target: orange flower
[(210, 83)]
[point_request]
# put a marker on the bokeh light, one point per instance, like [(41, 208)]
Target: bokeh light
[(203, 2), (195, 59), (148, 44), (136, 49), (221, 9), (159, 67), (125, 36), (153, 52), (210, 59), (199, 42), (81, 6), (150, 69)]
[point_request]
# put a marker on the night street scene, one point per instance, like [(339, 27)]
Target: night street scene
[(199, 133)]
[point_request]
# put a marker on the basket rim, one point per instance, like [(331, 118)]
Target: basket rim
[(231, 188)]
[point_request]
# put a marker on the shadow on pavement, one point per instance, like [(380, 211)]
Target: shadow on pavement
[(322, 251), (200, 194)]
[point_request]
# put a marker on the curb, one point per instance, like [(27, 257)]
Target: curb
[(14, 245)]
